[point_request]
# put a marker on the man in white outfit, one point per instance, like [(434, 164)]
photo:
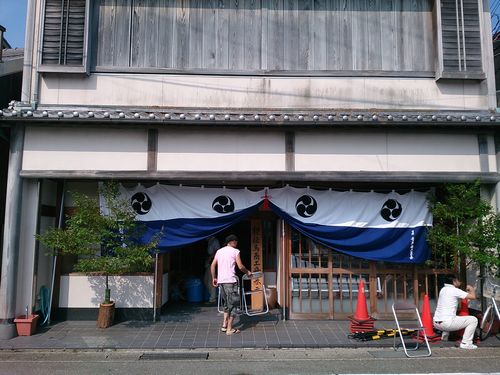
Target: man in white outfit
[(445, 316)]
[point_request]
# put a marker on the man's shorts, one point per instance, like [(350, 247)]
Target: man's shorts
[(230, 297)]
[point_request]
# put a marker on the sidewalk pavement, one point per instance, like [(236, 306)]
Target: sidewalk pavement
[(187, 333)]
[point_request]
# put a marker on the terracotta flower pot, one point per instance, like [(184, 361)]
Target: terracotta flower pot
[(26, 325)]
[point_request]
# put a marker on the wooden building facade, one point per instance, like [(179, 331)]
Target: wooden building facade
[(363, 94)]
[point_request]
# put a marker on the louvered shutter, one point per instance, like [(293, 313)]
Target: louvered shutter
[(64, 34), (461, 39)]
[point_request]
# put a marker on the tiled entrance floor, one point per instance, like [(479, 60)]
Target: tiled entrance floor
[(199, 327)]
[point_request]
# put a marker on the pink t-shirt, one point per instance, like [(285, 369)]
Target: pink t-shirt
[(226, 261)]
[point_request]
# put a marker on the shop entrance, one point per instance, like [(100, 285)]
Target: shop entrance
[(189, 266)]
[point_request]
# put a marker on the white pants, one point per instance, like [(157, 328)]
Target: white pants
[(458, 322)]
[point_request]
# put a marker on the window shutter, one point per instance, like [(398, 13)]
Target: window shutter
[(461, 39), (64, 35)]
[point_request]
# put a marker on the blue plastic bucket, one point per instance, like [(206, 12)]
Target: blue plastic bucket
[(194, 290)]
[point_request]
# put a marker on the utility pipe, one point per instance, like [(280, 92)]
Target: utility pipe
[(28, 52)]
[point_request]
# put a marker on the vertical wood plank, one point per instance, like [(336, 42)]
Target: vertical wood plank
[(304, 45), (121, 35), (318, 26), (209, 34), (104, 33), (374, 35), (387, 32), (181, 42), (275, 38), (264, 15), (333, 34), (252, 34), (139, 32), (359, 35), (195, 34), (166, 17), (428, 36), (153, 29), (236, 20), (94, 32), (291, 34), (407, 32), (399, 37), (222, 22), (346, 50)]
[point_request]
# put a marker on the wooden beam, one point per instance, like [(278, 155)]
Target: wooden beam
[(261, 177)]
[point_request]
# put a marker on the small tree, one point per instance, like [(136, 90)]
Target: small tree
[(465, 227), (104, 243)]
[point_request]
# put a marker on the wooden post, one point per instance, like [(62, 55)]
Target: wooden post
[(373, 288), (256, 263)]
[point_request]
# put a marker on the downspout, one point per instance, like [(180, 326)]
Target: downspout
[(28, 54)]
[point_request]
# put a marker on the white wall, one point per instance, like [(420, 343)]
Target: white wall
[(252, 150), (81, 291), (181, 91), (85, 149), (385, 152), (220, 150)]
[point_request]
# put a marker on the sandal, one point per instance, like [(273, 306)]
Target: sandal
[(232, 332), (223, 329)]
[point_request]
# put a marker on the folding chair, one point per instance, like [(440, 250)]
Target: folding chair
[(258, 291), (403, 307)]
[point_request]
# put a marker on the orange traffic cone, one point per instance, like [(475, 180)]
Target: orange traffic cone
[(426, 317), (361, 312), (464, 308), (361, 321), (463, 311)]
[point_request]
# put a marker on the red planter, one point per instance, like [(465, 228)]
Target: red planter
[(26, 325)]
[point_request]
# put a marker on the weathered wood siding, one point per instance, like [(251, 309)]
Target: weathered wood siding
[(265, 35)]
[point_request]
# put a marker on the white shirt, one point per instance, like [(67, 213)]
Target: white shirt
[(447, 302)]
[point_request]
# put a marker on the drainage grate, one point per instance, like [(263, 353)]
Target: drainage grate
[(173, 355)]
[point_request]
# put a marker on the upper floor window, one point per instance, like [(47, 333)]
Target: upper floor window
[(64, 35), (461, 40)]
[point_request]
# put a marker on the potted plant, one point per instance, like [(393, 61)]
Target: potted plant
[(106, 241)]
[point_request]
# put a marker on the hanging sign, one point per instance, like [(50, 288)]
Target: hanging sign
[(389, 227)]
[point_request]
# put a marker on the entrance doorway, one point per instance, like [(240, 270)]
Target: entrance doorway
[(193, 261)]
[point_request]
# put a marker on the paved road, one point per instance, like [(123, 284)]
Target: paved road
[(249, 361)]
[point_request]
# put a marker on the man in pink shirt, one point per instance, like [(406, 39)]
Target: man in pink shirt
[(225, 261)]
